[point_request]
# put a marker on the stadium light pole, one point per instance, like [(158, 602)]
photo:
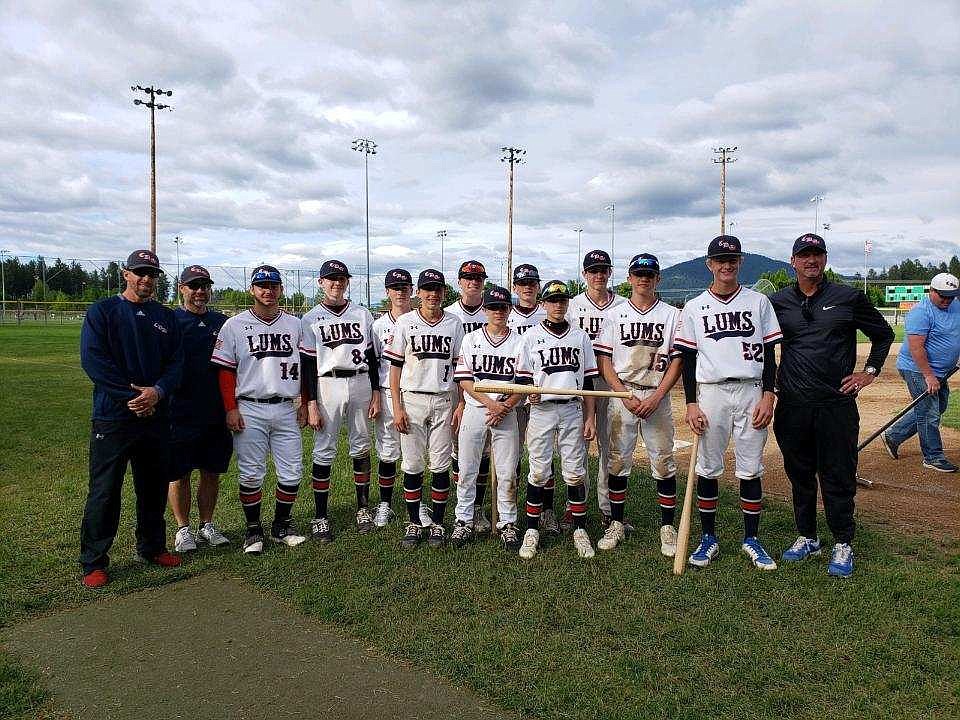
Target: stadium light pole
[(441, 236), (368, 147), (576, 265), (178, 241), (726, 157), (153, 105), (3, 285), (513, 156), (612, 207), (816, 200)]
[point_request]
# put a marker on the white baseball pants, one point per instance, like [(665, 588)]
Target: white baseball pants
[(505, 442), (342, 401), (429, 432), (387, 437), (268, 430), (603, 449), (560, 423), (657, 431), (729, 409)]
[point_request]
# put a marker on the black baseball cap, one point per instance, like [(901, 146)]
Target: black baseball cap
[(724, 245), (143, 259), (555, 289), (397, 277), (472, 267), (430, 278), (265, 274), (496, 295), (195, 272), (644, 262), (596, 258), (809, 241), (332, 268), (525, 272)]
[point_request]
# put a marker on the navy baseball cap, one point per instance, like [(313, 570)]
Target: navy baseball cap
[(430, 278), (596, 258), (496, 295), (265, 274), (724, 245), (332, 268), (526, 273), (472, 268), (555, 289), (809, 241), (195, 272), (644, 262), (143, 259), (398, 277)]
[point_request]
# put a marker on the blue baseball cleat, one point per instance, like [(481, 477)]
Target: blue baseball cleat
[(841, 561), (706, 551), (802, 548), (758, 556)]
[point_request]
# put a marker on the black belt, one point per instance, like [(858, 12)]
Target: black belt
[(275, 400), (344, 373), (562, 402), (427, 392)]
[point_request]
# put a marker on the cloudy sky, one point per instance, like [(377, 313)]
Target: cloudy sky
[(614, 103)]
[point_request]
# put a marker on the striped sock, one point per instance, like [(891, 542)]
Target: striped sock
[(286, 496), (439, 490), (577, 495), (708, 492), (617, 485), (548, 490), (412, 488), (386, 476), (321, 489), (534, 506), (250, 497), (667, 499), (361, 480), (751, 503)]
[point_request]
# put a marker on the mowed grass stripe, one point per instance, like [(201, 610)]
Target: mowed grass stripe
[(558, 637)]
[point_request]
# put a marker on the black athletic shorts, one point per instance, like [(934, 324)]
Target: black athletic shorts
[(200, 448)]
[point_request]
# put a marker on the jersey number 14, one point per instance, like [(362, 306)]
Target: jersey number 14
[(289, 371)]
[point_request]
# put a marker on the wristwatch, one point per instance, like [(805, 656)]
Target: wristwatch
[(872, 370)]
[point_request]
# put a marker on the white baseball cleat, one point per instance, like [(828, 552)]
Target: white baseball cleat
[(426, 519), (284, 534), (184, 541), (480, 522), (209, 534), (612, 536), (384, 515), (581, 541), (668, 540), (548, 522), (528, 548)]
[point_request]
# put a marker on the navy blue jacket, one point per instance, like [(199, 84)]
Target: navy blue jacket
[(197, 401), (124, 343)]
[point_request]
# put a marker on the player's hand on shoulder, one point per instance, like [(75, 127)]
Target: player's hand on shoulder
[(695, 418), (373, 411), (763, 412), (235, 420), (314, 419)]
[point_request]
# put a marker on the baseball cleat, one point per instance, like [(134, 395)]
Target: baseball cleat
[(581, 541), (411, 536), (462, 533), (480, 522), (668, 541), (510, 537), (940, 465), (437, 536), (163, 559), (284, 534), (612, 536), (364, 521), (841, 561), (321, 530), (706, 551), (384, 515), (209, 534), (253, 540), (95, 579), (426, 519), (889, 446), (184, 541), (566, 522), (754, 550), (531, 538), (548, 522), (802, 548)]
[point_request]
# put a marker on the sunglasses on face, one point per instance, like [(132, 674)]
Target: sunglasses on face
[(146, 272), (198, 285), (597, 271)]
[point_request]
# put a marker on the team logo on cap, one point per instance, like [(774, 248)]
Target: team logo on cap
[(197, 269), (727, 245), (472, 268), (599, 257), (396, 275), (554, 288), (337, 266), (812, 239), (144, 255), (525, 271)]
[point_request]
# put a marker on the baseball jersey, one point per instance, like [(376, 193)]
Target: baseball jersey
[(483, 358), (383, 329), (587, 315), (471, 320), (522, 320), (426, 352), (639, 342), (552, 360), (263, 352), (728, 335), (338, 339)]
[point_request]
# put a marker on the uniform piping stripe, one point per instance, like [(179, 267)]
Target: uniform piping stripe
[(361, 478), (411, 495), (707, 505), (643, 312), (439, 495), (577, 509), (771, 336), (223, 361), (618, 496), (729, 299), (253, 498), (692, 344), (751, 507), (285, 497), (667, 501), (320, 485)]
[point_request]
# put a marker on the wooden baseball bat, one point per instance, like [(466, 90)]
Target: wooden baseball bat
[(515, 389), (683, 531)]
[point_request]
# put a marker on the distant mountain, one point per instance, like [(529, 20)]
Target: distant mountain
[(693, 274)]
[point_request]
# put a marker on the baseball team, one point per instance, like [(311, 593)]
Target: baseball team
[(206, 387)]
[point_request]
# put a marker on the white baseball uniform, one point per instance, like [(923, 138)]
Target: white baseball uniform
[(471, 320), (339, 341), (639, 344), (483, 358), (522, 320), (589, 316), (387, 437), (728, 336), (265, 357)]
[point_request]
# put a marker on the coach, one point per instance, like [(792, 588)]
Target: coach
[(930, 352), (130, 348), (816, 422)]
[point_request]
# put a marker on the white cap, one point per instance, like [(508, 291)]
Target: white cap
[(946, 284)]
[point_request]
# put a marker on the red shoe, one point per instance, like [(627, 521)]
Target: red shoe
[(95, 579), (165, 559)]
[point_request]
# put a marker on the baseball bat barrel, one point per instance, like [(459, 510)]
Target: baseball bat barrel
[(515, 389), (683, 531)]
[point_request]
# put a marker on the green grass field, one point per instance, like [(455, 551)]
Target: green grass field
[(615, 637)]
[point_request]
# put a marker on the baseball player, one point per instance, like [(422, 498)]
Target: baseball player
[(489, 355), (556, 354), (423, 353), (636, 355), (588, 310), (398, 284), (469, 309), (259, 379), (727, 336), (342, 380), (200, 438)]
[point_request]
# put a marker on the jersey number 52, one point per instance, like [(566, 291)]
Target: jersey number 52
[(753, 351)]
